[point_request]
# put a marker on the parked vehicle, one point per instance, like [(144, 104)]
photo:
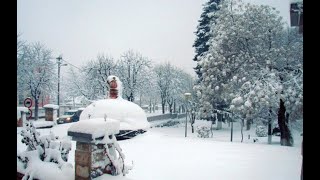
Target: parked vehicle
[(69, 116)]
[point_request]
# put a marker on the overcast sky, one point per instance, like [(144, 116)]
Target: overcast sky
[(161, 30)]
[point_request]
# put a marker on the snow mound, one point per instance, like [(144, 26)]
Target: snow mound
[(130, 115), (96, 127)]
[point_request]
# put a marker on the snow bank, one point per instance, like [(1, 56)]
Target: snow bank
[(96, 127), (130, 115), (110, 177), (51, 106), (40, 124)]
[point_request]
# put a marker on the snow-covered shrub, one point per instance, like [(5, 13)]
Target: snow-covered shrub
[(114, 163), (203, 131), (261, 131), (43, 151)]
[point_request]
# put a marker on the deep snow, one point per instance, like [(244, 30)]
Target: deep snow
[(164, 153)]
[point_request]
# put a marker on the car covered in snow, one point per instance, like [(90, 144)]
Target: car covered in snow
[(72, 115)]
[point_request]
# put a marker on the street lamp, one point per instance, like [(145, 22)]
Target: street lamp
[(187, 97), (59, 65)]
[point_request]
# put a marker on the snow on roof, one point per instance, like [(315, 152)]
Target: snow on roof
[(97, 127), (51, 106), (24, 109), (130, 115)]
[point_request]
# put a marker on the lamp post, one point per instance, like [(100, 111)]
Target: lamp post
[(187, 97), (59, 65)]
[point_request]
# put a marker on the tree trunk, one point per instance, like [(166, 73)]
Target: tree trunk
[(286, 138), (170, 107), (163, 103), (174, 106), (242, 124), (248, 124), (36, 108), (219, 124), (270, 127), (150, 106), (193, 118)]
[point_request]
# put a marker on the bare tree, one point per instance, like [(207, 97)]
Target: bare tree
[(164, 76), (36, 71), (132, 69)]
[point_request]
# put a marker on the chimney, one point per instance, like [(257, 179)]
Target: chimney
[(113, 92)]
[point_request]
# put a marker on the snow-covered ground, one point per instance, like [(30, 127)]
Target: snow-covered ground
[(164, 153)]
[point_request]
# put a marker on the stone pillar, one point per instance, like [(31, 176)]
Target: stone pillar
[(90, 158), (83, 161), (49, 114)]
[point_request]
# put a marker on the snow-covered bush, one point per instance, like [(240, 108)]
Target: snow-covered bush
[(114, 163), (203, 131), (261, 131), (44, 151)]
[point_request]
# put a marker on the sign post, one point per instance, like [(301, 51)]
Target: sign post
[(28, 104)]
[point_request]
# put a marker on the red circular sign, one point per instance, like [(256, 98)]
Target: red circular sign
[(27, 102)]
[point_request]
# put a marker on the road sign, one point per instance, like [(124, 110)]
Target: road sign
[(29, 114), (27, 102)]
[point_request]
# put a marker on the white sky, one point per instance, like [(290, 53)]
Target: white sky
[(79, 30)]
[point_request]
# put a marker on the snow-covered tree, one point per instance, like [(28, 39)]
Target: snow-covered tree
[(90, 80), (20, 55), (172, 83), (132, 69), (148, 93), (97, 72), (164, 78), (203, 29), (248, 53), (36, 71)]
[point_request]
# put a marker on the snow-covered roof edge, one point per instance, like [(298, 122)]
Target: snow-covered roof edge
[(51, 106), (24, 109)]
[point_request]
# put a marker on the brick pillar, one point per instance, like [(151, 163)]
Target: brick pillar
[(83, 167)]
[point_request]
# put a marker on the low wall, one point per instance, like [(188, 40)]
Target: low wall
[(165, 116)]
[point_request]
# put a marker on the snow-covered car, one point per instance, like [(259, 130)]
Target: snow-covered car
[(69, 116)]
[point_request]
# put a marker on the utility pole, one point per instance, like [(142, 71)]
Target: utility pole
[(59, 65)]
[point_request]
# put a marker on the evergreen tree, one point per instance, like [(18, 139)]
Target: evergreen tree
[(203, 30)]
